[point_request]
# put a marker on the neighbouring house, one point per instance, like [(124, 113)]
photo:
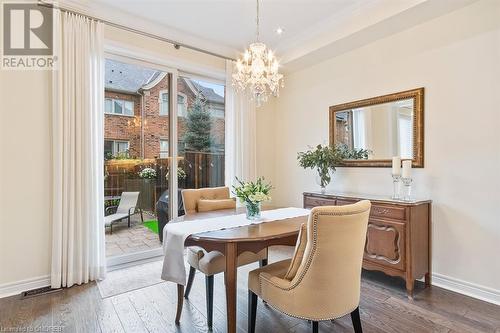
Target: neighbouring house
[(137, 111)]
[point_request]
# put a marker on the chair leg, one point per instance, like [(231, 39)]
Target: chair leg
[(356, 321), (142, 217), (129, 221), (111, 229), (209, 283), (263, 263), (315, 327), (252, 311), (192, 271)]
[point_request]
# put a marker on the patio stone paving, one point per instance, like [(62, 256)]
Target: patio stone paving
[(126, 240)]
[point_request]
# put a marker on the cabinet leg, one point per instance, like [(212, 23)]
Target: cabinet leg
[(410, 285), (427, 280)]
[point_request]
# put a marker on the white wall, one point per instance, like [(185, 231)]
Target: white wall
[(25, 169), (456, 58), (24, 175)]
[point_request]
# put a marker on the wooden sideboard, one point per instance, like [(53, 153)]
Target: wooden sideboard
[(398, 236)]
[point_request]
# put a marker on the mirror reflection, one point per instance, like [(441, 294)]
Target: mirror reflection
[(386, 130)]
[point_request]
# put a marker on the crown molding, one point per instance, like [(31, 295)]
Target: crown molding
[(360, 27), (341, 25), (363, 22)]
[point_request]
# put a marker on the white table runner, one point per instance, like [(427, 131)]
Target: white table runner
[(174, 235)]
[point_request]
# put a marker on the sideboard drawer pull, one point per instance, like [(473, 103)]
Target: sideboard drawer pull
[(381, 211)]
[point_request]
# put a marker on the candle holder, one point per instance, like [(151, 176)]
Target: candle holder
[(395, 186), (407, 184)]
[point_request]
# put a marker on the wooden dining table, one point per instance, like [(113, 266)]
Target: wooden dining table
[(231, 243)]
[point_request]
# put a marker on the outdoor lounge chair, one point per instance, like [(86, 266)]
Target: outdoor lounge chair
[(126, 208)]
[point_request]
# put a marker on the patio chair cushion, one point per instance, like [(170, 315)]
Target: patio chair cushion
[(113, 217), (128, 202), (214, 262), (207, 205)]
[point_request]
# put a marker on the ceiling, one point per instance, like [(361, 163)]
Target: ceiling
[(311, 27), (232, 23)]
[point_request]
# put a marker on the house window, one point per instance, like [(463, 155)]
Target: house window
[(217, 112), (163, 103), (115, 148), (163, 148), (118, 106), (181, 105)]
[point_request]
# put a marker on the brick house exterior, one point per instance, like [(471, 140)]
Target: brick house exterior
[(146, 127)]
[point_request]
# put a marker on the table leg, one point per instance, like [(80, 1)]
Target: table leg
[(180, 302), (230, 282)]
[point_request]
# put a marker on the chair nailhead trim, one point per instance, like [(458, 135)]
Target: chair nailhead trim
[(309, 261)]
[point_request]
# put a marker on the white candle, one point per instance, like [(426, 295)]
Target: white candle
[(396, 165), (406, 169)]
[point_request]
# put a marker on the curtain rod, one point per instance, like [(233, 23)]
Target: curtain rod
[(176, 44)]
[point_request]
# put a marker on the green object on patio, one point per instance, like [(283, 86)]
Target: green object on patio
[(152, 225)]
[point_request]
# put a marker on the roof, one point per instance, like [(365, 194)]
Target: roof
[(130, 78), (209, 93)]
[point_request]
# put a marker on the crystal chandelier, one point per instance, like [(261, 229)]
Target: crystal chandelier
[(257, 71)]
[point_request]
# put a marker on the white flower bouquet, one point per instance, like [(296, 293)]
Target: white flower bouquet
[(147, 173), (252, 194)]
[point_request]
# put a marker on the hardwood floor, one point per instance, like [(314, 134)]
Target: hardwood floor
[(384, 308)]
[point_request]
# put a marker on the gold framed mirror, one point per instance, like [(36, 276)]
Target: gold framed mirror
[(386, 126)]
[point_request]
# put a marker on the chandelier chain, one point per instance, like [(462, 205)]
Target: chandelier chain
[(257, 20)]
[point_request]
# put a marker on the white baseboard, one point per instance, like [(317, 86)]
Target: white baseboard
[(466, 288), (15, 288), (462, 287)]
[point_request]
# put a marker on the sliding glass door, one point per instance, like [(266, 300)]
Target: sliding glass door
[(153, 116), (200, 133), (136, 158)]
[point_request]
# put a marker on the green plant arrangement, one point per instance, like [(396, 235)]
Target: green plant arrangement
[(352, 154), (252, 194), (123, 155), (325, 158)]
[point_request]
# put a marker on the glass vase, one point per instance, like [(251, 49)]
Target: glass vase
[(324, 179), (253, 210)]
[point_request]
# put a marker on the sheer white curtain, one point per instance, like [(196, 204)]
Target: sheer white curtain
[(359, 128), (241, 141), (78, 246)]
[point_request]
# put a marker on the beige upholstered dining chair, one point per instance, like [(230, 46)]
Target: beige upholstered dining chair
[(211, 263), (322, 280)]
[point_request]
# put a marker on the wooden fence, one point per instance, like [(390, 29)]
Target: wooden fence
[(201, 170)]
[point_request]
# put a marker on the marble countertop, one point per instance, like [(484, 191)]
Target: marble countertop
[(375, 197)]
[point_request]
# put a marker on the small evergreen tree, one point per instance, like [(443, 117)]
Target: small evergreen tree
[(198, 125)]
